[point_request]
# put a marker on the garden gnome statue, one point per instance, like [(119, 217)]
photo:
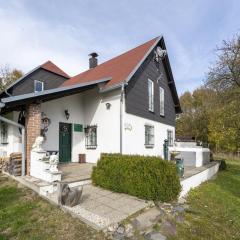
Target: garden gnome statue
[(67, 196)]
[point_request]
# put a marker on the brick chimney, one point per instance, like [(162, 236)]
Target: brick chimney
[(93, 61)]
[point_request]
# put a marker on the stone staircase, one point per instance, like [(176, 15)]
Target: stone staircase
[(40, 167)]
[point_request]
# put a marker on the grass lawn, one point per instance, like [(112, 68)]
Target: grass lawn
[(24, 215), (214, 208), (213, 213)]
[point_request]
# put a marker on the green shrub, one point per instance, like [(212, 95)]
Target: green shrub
[(223, 165), (149, 178)]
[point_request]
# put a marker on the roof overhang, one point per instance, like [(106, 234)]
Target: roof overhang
[(17, 102), (171, 82)]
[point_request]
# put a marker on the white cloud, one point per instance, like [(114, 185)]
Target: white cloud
[(34, 32), (26, 43)]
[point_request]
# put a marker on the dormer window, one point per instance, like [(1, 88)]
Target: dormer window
[(38, 86)]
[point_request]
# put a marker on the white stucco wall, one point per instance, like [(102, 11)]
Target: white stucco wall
[(87, 108), (54, 110), (134, 139), (108, 122), (195, 180), (192, 156)]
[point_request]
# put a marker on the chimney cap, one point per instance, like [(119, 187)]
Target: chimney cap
[(93, 54)]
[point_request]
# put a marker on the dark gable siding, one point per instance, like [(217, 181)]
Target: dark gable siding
[(50, 80), (137, 93)]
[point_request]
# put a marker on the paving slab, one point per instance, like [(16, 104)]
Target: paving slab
[(100, 208), (115, 196), (72, 172)]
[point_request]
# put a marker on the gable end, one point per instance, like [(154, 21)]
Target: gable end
[(26, 85), (137, 91)]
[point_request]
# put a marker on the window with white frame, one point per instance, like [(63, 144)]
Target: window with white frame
[(150, 95), (170, 137), (161, 98), (38, 86), (91, 137), (149, 136), (4, 132)]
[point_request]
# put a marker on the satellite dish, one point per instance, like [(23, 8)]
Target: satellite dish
[(161, 53)]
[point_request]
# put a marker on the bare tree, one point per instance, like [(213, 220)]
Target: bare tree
[(225, 74)]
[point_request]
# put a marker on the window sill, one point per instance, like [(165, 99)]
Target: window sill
[(149, 145), (91, 147)]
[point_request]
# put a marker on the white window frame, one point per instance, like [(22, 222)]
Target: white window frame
[(35, 84), (170, 137), (150, 95), (91, 137), (149, 136), (161, 101)]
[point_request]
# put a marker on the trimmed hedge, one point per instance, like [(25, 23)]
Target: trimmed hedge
[(149, 178)]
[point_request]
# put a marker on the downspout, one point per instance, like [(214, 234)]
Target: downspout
[(121, 118), (23, 137)]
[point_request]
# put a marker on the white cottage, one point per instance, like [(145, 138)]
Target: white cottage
[(125, 105)]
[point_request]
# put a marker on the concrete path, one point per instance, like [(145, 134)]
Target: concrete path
[(73, 172), (101, 208)]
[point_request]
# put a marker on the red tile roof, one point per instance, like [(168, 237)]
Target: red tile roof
[(51, 67), (119, 68)]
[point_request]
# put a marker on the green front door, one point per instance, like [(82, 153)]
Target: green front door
[(65, 142)]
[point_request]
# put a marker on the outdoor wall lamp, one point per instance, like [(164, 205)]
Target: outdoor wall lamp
[(67, 114), (108, 106)]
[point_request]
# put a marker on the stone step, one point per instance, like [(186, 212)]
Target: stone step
[(51, 176)]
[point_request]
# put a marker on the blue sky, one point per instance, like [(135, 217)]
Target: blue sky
[(65, 32)]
